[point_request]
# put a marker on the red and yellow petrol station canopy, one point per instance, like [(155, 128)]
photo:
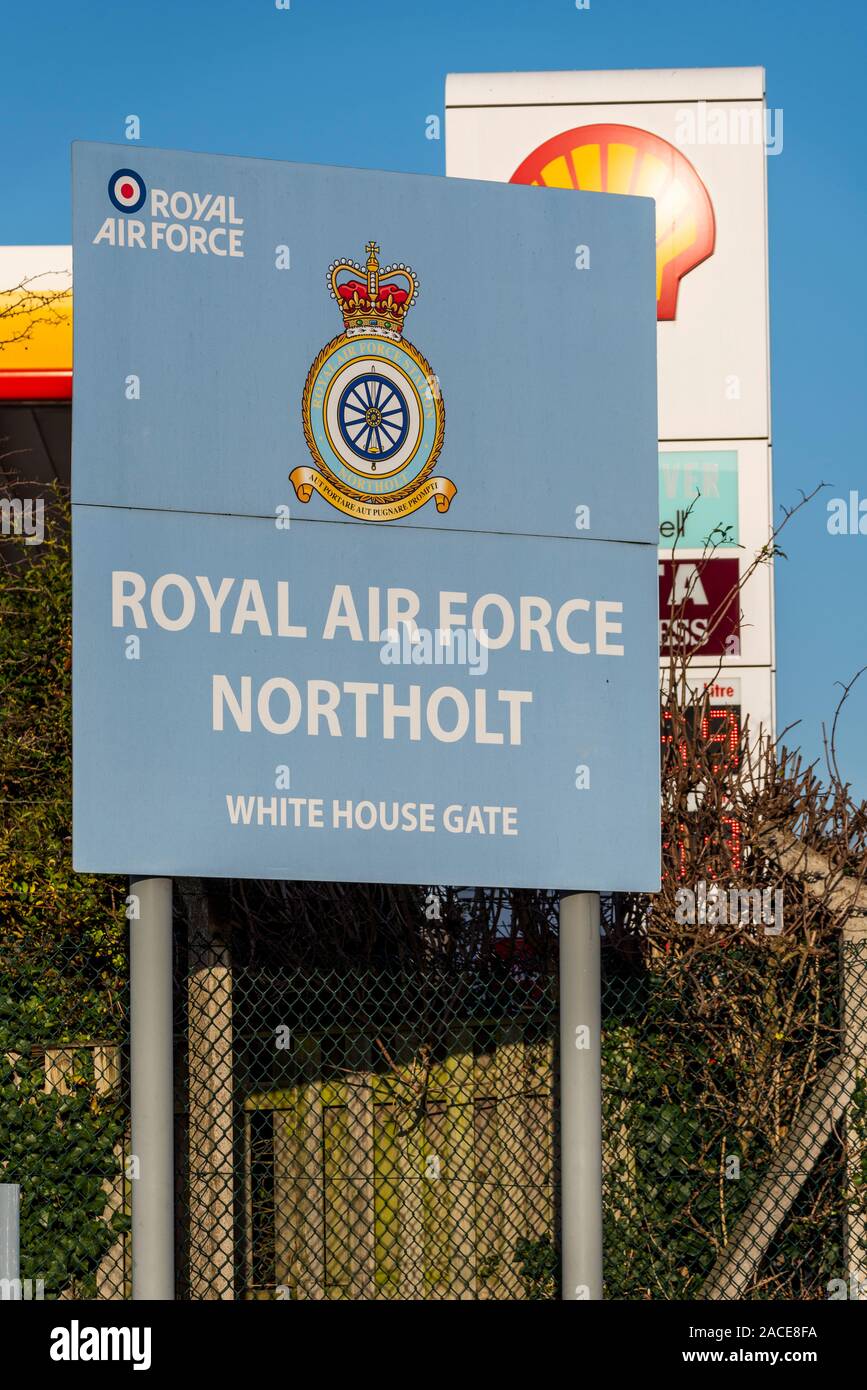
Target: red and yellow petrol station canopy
[(35, 323)]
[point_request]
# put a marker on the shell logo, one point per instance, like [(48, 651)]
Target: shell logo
[(624, 159)]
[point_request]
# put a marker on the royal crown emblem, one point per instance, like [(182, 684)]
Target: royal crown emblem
[(372, 409)]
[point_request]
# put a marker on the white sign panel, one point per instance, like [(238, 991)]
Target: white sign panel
[(674, 142)]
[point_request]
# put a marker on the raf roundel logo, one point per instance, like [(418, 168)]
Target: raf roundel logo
[(127, 190), (372, 409)]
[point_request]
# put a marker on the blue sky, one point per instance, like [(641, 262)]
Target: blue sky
[(335, 81)]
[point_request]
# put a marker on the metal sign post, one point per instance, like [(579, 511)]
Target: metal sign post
[(152, 1123), (10, 1280), (580, 1096)]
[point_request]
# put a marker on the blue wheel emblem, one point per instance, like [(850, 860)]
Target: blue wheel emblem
[(373, 418)]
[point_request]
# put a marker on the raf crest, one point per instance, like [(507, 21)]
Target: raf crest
[(372, 410)]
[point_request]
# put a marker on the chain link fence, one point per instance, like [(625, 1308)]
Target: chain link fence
[(734, 1124), (370, 1136), (393, 1133)]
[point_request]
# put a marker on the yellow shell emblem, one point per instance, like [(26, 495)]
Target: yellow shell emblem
[(624, 159)]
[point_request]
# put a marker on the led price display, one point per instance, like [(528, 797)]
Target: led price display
[(718, 727)]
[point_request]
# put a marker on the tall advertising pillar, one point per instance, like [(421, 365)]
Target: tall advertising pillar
[(696, 141)]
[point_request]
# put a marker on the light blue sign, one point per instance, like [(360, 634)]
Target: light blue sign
[(698, 499), (364, 527)]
